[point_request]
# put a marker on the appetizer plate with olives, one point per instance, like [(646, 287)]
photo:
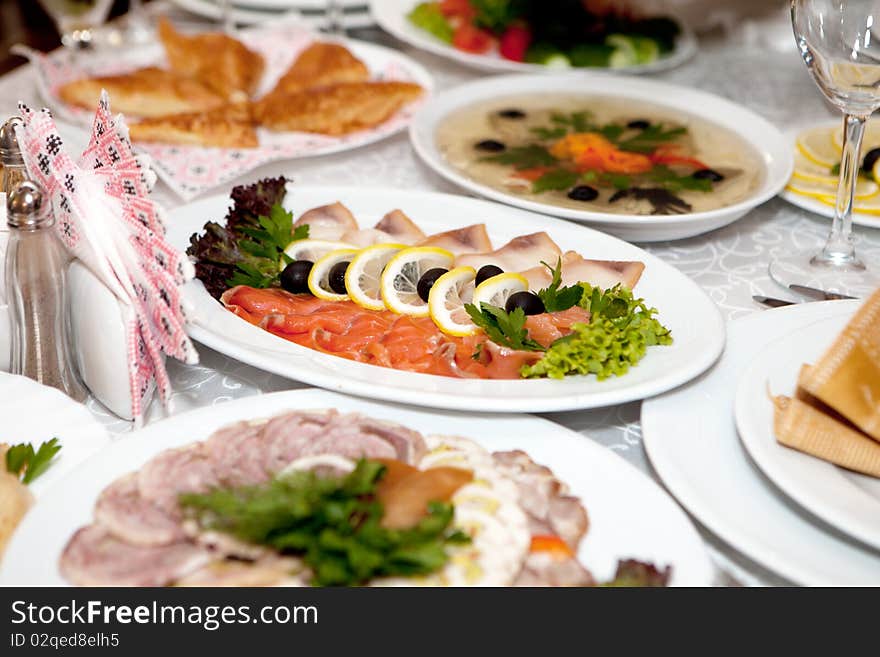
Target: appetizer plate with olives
[(514, 44), (643, 160), (696, 326)]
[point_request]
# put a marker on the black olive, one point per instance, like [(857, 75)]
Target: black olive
[(707, 174), (530, 303), (426, 282), (486, 272), (583, 193), (639, 124), (870, 160), (336, 277), (490, 146), (295, 277), (512, 113)]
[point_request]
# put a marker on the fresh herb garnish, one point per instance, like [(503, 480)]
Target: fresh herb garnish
[(555, 179), (555, 297), (523, 157), (621, 329), (670, 180), (647, 140), (333, 523), (633, 573), (549, 133), (27, 464), (504, 328)]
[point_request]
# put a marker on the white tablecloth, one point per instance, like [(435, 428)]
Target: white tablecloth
[(730, 264)]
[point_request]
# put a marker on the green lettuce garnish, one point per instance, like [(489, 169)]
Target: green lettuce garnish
[(621, 329), (428, 16)]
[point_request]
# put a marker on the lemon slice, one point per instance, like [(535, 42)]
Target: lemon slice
[(865, 189), (870, 141), (319, 277), (312, 250), (496, 290), (398, 283), (817, 145), (363, 274), (447, 298)]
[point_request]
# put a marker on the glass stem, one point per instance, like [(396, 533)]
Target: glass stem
[(840, 247)]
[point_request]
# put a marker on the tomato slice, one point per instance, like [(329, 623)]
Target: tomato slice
[(472, 39), (458, 9), (514, 43)]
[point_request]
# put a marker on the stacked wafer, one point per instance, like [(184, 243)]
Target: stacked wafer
[(835, 412)]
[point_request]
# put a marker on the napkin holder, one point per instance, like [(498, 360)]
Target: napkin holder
[(99, 322)]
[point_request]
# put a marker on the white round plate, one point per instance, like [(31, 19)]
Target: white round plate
[(34, 413), (690, 437), (844, 499), (696, 324), (247, 14), (391, 15), (630, 516), (768, 142)]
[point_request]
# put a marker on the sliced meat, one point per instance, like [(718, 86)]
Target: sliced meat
[(409, 445), (598, 273), (286, 438), (365, 237), (121, 511), (94, 557), (327, 222), (520, 253), (236, 453), (541, 569), (349, 440), (543, 497), (175, 471), (267, 571), (470, 239), (400, 227)]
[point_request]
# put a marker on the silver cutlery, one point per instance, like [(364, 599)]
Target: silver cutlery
[(772, 302), (818, 295)]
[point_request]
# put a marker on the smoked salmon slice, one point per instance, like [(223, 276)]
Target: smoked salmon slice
[(380, 337)]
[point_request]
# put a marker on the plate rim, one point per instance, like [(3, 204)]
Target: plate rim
[(424, 124), (381, 10), (679, 486), (789, 483), (262, 357), (696, 574)]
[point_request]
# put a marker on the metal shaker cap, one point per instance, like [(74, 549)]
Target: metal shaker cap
[(10, 153), (27, 207)]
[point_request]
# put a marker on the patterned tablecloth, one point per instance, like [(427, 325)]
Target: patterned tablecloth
[(730, 264)]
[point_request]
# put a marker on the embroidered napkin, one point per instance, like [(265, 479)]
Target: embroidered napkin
[(107, 221)]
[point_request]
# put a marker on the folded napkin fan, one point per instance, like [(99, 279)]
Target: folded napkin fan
[(107, 221)]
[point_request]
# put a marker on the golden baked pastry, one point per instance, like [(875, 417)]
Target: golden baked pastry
[(320, 65), (145, 92), (847, 377), (337, 109), (222, 63), (228, 126)]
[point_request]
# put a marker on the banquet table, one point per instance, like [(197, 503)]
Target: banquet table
[(730, 264)]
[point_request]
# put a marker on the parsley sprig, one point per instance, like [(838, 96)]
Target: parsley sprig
[(507, 329), (266, 245), (555, 297), (28, 464)]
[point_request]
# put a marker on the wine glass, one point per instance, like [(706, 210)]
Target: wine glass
[(839, 44), (335, 23), (226, 17), (77, 20)]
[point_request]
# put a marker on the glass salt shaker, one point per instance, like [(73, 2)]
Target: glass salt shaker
[(12, 169), (36, 288)]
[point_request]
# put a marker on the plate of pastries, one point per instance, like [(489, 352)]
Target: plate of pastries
[(208, 106)]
